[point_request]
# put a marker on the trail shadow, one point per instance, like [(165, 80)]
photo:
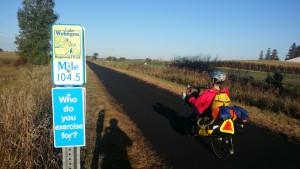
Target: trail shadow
[(177, 122), (97, 149), (114, 147)]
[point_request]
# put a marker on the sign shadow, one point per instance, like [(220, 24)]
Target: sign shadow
[(97, 150)]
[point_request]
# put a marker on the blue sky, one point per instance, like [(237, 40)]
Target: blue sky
[(163, 29)]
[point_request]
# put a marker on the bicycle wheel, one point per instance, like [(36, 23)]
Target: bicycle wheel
[(190, 126), (222, 145)]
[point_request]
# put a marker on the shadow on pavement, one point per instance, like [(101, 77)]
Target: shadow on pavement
[(177, 122), (113, 146)]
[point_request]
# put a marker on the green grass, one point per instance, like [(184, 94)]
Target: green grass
[(158, 63), (289, 79)]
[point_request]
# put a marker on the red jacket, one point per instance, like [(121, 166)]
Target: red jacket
[(205, 99)]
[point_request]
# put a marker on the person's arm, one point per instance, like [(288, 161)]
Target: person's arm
[(201, 102)]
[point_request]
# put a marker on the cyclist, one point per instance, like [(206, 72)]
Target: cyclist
[(201, 103)]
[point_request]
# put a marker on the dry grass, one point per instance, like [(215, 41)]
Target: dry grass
[(9, 55), (104, 110), (7, 58), (275, 122), (25, 118)]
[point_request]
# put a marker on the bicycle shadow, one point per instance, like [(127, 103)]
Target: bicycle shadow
[(177, 122)]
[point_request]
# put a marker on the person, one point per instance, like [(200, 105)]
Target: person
[(201, 103)]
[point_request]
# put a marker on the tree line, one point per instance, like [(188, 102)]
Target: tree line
[(293, 52), (269, 55)]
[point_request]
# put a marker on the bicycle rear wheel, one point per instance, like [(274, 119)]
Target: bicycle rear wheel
[(222, 144)]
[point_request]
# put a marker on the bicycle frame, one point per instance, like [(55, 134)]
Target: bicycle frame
[(220, 131)]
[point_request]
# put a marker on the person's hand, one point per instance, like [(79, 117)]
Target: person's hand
[(185, 97)]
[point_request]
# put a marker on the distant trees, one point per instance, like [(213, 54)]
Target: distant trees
[(111, 58), (293, 52), (261, 56), (35, 20), (269, 55), (1, 50), (274, 55), (95, 55), (148, 60), (122, 59)]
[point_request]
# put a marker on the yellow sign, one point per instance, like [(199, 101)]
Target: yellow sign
[(67, 41), (68, 56)]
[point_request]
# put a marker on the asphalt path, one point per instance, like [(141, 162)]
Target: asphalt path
[(160, 116)]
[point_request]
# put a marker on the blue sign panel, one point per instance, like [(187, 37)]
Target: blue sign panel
[(68, 116)]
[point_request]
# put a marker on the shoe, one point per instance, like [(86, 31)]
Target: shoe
[(231, 150)]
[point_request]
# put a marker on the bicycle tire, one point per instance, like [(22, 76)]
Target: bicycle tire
[(222, 145)]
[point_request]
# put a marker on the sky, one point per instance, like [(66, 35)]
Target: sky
[(165, 29)]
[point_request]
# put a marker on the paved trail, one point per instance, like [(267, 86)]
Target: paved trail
[(160, 116)]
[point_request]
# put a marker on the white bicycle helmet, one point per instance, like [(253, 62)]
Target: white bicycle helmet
[(218, 76)]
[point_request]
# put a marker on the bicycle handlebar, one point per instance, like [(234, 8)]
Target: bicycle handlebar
[(196, 87)]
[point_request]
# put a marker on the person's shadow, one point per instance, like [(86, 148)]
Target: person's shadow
[(114, 147)]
